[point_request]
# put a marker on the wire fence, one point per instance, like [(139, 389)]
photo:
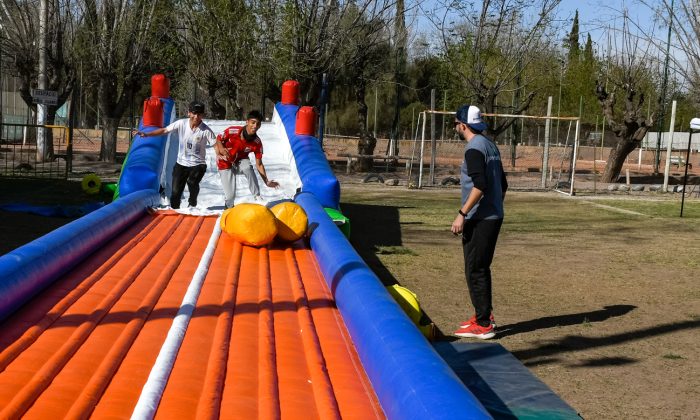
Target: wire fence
[(523, 162), (19, 156)]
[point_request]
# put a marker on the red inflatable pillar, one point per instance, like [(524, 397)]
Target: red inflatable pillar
[(153, 107), (152, 112), (290, 93), (160, 86), (306, 121)]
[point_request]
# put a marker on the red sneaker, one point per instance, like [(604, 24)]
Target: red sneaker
[(472, 320), (476, 331)]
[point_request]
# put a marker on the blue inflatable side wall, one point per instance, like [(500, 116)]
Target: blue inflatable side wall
[(145, 159), (31, 268), (315, 172), (411, 380)]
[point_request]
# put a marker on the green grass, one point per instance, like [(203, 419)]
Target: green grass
[(672, 356), (394, 250), (659, 208)]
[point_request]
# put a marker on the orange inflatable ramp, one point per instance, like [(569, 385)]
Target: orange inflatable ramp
[(265, 339)]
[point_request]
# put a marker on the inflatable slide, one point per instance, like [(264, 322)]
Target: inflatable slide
[(140, 311)]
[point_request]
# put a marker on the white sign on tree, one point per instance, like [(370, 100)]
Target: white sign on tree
[(45, 97)]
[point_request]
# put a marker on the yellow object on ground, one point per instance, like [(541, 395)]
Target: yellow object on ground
[(291, 221), (91, 184), (250, 224), (408, 301)]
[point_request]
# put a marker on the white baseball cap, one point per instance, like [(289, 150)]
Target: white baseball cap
[(471, 116)]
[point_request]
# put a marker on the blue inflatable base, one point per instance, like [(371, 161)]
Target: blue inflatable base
[(53, 211), (501, 383)]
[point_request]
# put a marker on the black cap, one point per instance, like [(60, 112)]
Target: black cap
[(196, 107)]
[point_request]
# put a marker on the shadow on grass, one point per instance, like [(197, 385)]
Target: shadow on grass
[(564, 320), (546, 353), (376, 230), (373, 228)]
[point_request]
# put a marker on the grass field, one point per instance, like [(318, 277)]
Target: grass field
[(597, 296)]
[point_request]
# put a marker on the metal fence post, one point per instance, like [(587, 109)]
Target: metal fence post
[(545, 154)]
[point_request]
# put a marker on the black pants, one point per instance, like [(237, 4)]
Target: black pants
[(190, 175), (479, 243)]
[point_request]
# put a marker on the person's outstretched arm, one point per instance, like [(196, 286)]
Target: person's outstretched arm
[(261, 169), (156, 132)]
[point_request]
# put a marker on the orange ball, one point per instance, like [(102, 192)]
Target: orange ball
[(292, 221), (250, 224)]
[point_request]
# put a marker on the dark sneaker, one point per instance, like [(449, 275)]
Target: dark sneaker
[(476, 331), (472, 320)]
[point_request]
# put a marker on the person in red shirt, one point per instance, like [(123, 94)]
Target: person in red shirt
[(239, 142)]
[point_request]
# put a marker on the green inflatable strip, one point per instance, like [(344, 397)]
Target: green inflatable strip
[(110, 187), (340, 220)]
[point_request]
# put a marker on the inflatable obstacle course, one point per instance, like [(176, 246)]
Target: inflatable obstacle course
[(270, 330)]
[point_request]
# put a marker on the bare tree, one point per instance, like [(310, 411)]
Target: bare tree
[(684, 21), (313, 38), (400, 42), (630, 74), (368, 54), (118, 37), (221, 39), (21, 32), (491, 47)]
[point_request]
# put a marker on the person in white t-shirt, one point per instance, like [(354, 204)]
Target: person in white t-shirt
[(191, 165)]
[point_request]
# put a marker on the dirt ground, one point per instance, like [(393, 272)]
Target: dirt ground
[(596, 294)]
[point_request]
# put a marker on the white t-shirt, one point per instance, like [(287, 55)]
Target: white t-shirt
[(193, 143)]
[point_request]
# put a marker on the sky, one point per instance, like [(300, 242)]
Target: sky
[(596, 15)]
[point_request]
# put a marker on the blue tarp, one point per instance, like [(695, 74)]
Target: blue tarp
[(54, 211)]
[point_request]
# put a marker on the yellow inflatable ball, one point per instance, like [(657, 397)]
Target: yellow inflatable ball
[(291, 221), (250, 224), (91, 184), (407, 300)]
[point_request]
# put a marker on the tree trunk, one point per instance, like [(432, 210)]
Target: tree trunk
[(630, 128), (216, 110), (108, 148), (235, 109), (367, 142), (44, 140), (617, 158)]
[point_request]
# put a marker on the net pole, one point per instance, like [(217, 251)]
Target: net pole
[(422, 148), (545, 154), (595, 170), (573, 163), (413, 150), (669, 146), (433, 145)]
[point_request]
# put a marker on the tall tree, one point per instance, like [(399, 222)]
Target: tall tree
[(221, 47), (684, 21), (20, 31), (490, 49), (572, 41), (588, 54), (400, 39), (630, 75), (312, 38), (367, 56), (118, 41)]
